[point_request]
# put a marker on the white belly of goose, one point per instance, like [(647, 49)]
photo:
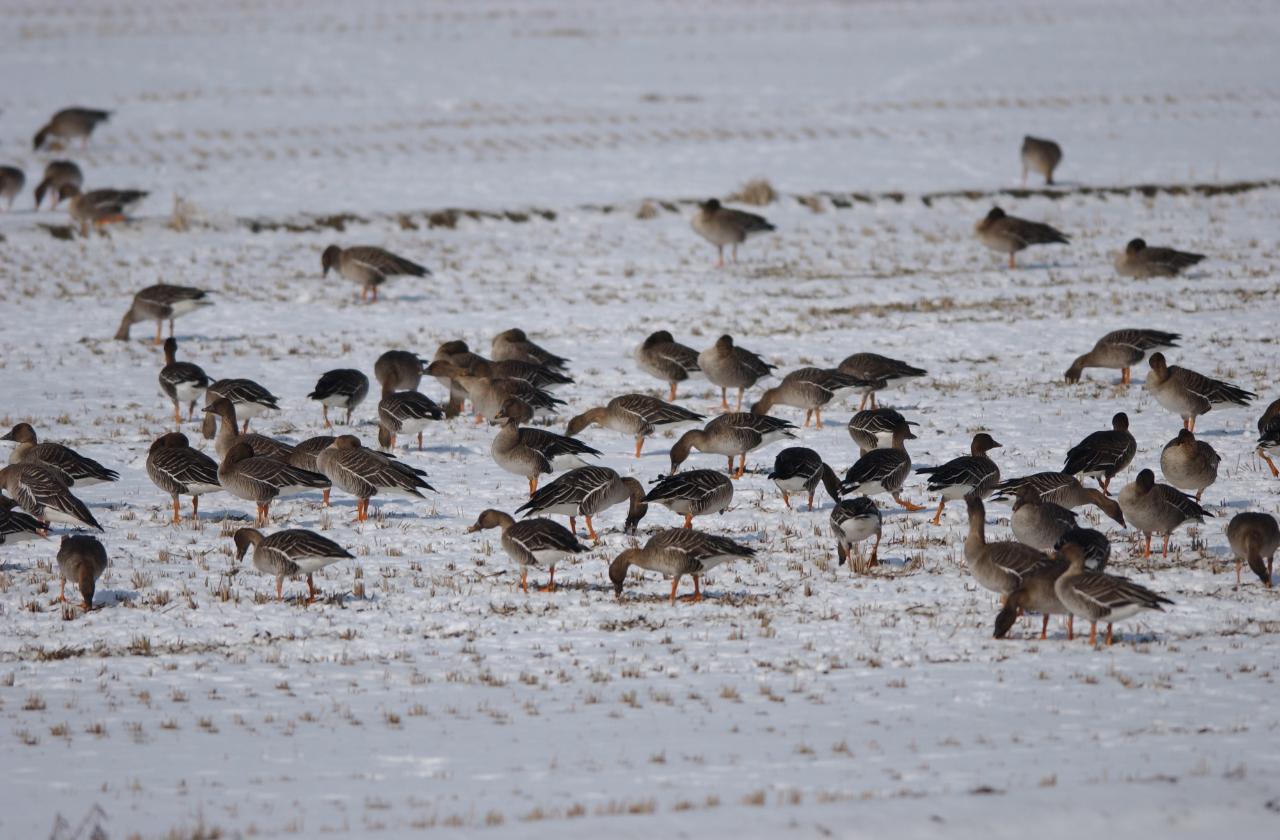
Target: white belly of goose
[(188, 391), (792, 485), (567, 461), (50, 514), (1121, 613), (549, 556), (250, 410), (859, 528)]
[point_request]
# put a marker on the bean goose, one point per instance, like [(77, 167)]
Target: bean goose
[(261, 479), (181, 382), (1121, 350), (1189, 394), (303, 456), (882, 471), (1142, 261), (1060, 489), (81, 558), (1039, 524), (692, 493), (798, 469), (974, 473), (729, 435), (16, 526), (456, 353), (1189, 464), (369, 266), (514, 344), (161, 302), (1253, 537), (1040, 155), (879, 372), (290, 553), (73, 468), (342, 388), (1002, 566), (179, 470), (1009, 234), (1035, 594), (70, 124), (873, 428), (99, 208), (365, 473), (405, 413), (41, 492), (662, 357), (57, 174), (398, 370), (249, 398), (638, 415), (1098, 596), (221, 427), (677, 552), (588, 491), (728, 366), (487, 394), (532, 452), (852, 521), (809, 388), (723, 226), (1157, 509), (1094, 544), (1104, 453), (531, 542), (12, 180), (1269, 435)]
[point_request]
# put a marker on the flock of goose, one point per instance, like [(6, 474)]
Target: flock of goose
[(1052, 566)]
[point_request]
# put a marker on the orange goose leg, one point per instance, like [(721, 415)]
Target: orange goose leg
[(325, 496), (311, 590), (811, 500), (279, 589), (675, 581), (1108, 634), (551, 582), (159, 332), (1044, 628), (808, 415), (264, 513), (937, 517), (524, 579), (1071, 627), (1012, 262), (573, 525), (1165, 551), (195, 508), (639, 445), (1274, 472), (786, 499), (874, 561), (177, 510), (740, 392), (591, 532), (688, 520), (874, 404), (697, 591), (419, 441), (673, 393), (1146, 553), (1093, 635), (724, 399), (863, 402), (906, 504), (62, 591), (818, 414), (324, 412)]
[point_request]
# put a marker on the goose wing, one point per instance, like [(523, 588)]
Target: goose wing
[(690, 486), (535, 535), (1104, 450), (185, 467), (551, 445), (1214, 390), (72, 463), (1113, 593), (969, 470), (653, 411), (383, 262)]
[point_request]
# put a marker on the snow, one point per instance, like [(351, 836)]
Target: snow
[(798, 699)]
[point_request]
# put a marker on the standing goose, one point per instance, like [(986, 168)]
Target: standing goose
[(879, 372), (588, 491), (1157, 509), (404, 413), (677, 552), (1009, 234), (514, 344), (531, 373), (1142, 261), (799, 469), (181, 382), (221, 427), (1121, 350), (1037, 523), (70, 124), (12, 180), (1040, 155), (83, 559), (341, 388), (729, 435), (161, 302), (1269, 435), (179, 470), (1036, 593), (809, 388), (261, 479), (1098, 596), (723, 226), (1060, 489), (692, 493), (1189, 464), (974, 473), (16, 526), (1254, 536), (289, 553), (1189, 394), (532, 452), (249, 398), (638, 415), (458, 354), (662, 357), (882, 471), (1002, 566), (487, 394), (41, 492), (874, 428), (1104, 453), (729, 366), (852, 521), (398, 370), (364, 473), (531, 542), (75, 469), (99, 207), (303, 456), (57, 174), (369, 266)]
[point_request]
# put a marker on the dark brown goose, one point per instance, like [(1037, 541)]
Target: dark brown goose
[(662, 357), (220, 427), (974, 474), (638, 415), (41, 492), (809, 388), (882, 471), (72, 467), (677, 552), (249, 398), (1188, 394), (723, 226), (852, 521), (1254, 537), (588, 491), (81, 558), (260, 479), (731, 434), (727, 366), (533, 452), (1040, 155), (1103, 454), (1009, 234), (70, 124), (1121, 350), (179, 470), (161, 302), (531, 542), (57, 174), (1098, 596), (798, 469), (405, 413), (369, 266), (874, 428), (692, 493), (12, 180), (181, 382), (290, 553), (342, 388), (514, 344), (365, 473), (1142, 261), (16, 526), (398, 370), (1157, 509), (879, 372)]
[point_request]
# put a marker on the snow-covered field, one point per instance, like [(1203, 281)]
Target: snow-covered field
[(425, 690)]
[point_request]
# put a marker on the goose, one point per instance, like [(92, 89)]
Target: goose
[(1037, 523), (1254, 536), (799, 469), (303, 456), (532, 452), (1060, 489), (533, 374), (12, 180), (1098, 596), (16, 526), (1040, 155), (458, 354), (1157, 509), (882, 471), (531, 542), (340, 388), (1189, 464), (81, 558), (365, 473), (809, 388), (514, 344), (161, 302), (487, 395), (674, 553), (41, 492), (1121, 350), (72, 467), (99, 207), (398, 370), (70, 124), (1035, 594), (261, 479), (588, 491), (1141, 261), (974, 473), (730, 366), (1096, 547), (723, 226), (1189, 394), (404, 413), (879, 372), (181, 382), (638, 415), (692, 493), (221, 427), (729, 435), (1269, 435), (663, 358), (249, 398), (179, 470), (369, 266), (852, 521), (57, 173), (873, 428), (1009, 234), (1104, 453), (289, 553), (1000, 567)]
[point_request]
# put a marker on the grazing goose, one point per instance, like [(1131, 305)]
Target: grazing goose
[(161, 302), (662, 357), (1104, 453), (882, 471), (181, 382), (249, 398), (531, 542), (677, 552), (1189, 394), (723, 226), (1039, 524), (1096, 547), (488, 395), (514, 344), (70, 124), (16, 526), (729, 366), (57, 174), (12, 180), (729, 435), (879, 372), (873, 428), (179, 470), (364, 473), (1157, 509), (221, 427), (974, 473), (260, 479), (1189, 464), (99, 207), (1001, 566), (1098, 596), (1254, 536), (1009, 234), (1040, 155), (692, 493), (588, 491), (289, 553), (1269, 435), (638, 415), (303, 456), (1035, 594), (398, 370), (799, 469), (341, 388), (81, 558), (531, 373), (809, 388), (1121, 350), (852, 521), (72, 467), (1060, 489), (404, 413), (532, 452), (41, 492), (456, 353), (1142, 261), (369, 266)]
